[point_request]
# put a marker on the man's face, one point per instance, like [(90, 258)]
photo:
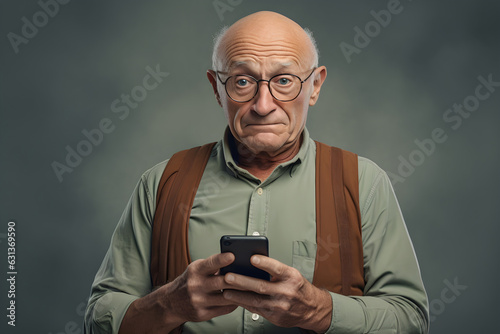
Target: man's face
[(265, 124)]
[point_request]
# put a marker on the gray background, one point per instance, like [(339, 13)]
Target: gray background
[(394, 91)]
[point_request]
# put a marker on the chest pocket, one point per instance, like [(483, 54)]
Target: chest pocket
[(304, 257)]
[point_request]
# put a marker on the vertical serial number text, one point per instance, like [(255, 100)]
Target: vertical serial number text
[(11, 273)]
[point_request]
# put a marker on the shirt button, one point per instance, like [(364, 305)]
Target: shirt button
[(256, 234), (260, 191), (255, 316)]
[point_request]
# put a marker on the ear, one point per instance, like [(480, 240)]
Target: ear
[(212, 77), (319, 78)]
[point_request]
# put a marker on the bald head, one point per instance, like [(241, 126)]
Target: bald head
[(262, 34)]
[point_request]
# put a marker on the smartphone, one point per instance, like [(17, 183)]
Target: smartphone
[(243, 247)]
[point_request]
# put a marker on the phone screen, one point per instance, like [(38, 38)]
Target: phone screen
[(243, 247)]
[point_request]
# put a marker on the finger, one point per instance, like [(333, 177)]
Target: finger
[(267, 306), (274, 267), (215, 284), (217, 299), (245, 283), (249, 300), (212, 264)]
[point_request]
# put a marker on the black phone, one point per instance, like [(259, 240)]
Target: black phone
[(243, 247)]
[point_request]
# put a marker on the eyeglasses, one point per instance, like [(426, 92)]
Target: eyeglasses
[(283, 87)]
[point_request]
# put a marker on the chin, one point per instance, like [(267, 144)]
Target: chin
[(265, 143)]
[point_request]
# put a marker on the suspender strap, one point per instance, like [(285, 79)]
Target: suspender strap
[(342, 220), (338, 222), (327, 239), (176, 192)]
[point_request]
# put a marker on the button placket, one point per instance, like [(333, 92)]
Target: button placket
[(257, 218)]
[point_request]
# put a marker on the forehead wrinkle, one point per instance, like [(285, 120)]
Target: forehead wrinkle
[(252, 68), (237, 63), (256, 44), (256, 60), (253, 62), (258, 50)]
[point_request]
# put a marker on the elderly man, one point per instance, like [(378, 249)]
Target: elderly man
[(261, 179)]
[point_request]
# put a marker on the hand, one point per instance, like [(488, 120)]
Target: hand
[(196, 294), (193, 296), (288, 300)]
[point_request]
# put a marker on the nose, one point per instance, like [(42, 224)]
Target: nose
[(263, 102)]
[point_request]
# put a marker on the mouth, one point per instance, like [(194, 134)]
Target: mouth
[(262, 125)]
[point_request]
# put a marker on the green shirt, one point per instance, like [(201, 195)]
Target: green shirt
[(230, 200)]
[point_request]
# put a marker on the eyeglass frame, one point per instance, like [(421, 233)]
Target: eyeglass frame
[(257, 81)]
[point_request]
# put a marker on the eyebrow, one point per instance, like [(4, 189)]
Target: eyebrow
[(237, 63)]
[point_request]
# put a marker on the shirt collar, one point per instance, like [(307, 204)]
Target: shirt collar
[(294, 162)]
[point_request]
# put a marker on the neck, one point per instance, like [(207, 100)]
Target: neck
[(262, 164)]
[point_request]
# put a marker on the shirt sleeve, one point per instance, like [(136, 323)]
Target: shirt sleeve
[(394, 299), (124, 273)]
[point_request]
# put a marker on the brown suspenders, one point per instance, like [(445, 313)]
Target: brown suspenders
[(339, 256), (176, 192), (338, 219)]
